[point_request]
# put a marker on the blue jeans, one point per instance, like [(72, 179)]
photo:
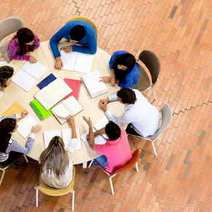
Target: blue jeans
[(101, 160)]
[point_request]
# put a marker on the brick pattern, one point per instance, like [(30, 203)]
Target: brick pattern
[(179, 32)]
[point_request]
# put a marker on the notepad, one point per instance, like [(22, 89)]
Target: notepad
[(93, 84), (47, 80), (76, 61), (68, 107), (36, 70), (28, 75), (53, 93), (74, 85), (25, 125), (15, 108), (70, 144), (41, 112)]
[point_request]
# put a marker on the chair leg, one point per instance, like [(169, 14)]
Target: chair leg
[(36, 197), (2, 176), (111, 185), (90, 164), (26, 159), (73, 200), (136, 167), (154, 149)]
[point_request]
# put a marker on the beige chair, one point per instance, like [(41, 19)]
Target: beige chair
[(7, 27), (166, 115), (133, 162), (43, 188), (4, 168), (149, 77)]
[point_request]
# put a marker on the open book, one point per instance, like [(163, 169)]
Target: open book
[(53, 93), (25, 125), (67, 107), (27, 77), (93, 84), (65, 134), (76, 61)]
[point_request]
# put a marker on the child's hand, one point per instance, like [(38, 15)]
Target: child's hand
[(24, 114), (32, 59), (36, 129)]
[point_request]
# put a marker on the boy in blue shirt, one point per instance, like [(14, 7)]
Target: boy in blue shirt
[(81, 37)]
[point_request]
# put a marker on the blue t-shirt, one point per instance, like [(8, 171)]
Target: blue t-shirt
[(88, 43), (132, 78)]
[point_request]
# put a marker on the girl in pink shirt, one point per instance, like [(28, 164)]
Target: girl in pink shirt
[(22, 44), (116, 150)]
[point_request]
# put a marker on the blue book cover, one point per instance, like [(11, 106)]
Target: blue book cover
[(50, 78)]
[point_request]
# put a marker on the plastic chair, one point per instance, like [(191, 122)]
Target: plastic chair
[(43, 188), (148, 80), (4, 168), (7, 27), (133, 162), (166, 115)]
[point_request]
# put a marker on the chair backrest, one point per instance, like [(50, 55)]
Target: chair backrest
[(151, 61), (9, 26), (83, 18), (130, 164), (43, 188), (166, 115)]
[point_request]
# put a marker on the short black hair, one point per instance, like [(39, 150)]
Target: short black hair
[(6, 73), (77, 33), (25, 35), (112, 130), (126, 59), (127, 95)]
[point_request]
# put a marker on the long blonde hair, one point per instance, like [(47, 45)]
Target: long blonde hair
[(54, 157)]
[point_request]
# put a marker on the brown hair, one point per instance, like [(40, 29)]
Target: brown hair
[(54, 157)]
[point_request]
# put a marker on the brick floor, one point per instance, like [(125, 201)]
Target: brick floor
[(179, 32)]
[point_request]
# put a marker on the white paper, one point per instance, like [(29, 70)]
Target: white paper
[(48, 135), (24, 80), (74, 144), (69, 60), (93, 84), (100, 140), (53, 93), (66, 135), (25, 125), (36, 70), (101, 123)]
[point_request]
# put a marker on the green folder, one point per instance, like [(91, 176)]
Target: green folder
[(40, 110)]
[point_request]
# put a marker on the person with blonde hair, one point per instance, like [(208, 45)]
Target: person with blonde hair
[(56, 164)]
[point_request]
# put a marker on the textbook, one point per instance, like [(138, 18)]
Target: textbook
[(67, 107), (76, 61), (41, 112), (53, 93), (93, 84), (65, 134), (15, 108), (74, 85), (25, 125), (47, 80), (27, 76)]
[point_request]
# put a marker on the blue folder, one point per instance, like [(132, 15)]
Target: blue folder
[(50, 78)]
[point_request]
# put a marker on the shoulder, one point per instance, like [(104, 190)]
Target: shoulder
[(119, 52), (13, 42)]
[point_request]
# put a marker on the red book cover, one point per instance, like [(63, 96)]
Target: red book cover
[(74, 85)]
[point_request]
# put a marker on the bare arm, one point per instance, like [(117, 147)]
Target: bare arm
[(91, 136), (71, 123)]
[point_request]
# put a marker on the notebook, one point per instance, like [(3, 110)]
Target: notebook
[(76, 61), (25, 125), (15, 108), (67, 107), (41, 112), (74, 85), (47, 80), (93, 84), (28, 75), (70, 145), (53, 93)]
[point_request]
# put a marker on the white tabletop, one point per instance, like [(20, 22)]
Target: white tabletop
[(90, 106)]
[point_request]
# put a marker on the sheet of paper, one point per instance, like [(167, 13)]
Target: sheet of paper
[(83, 62), (15, 108), (93, 84), (101, 123), (24, 80), (100, 140), (66, 135), (74, 145), (48, 135), (69, 60), (53, 93), (25, 125), (36, 70)]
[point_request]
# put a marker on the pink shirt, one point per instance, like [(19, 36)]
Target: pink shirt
[(117, 152)]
